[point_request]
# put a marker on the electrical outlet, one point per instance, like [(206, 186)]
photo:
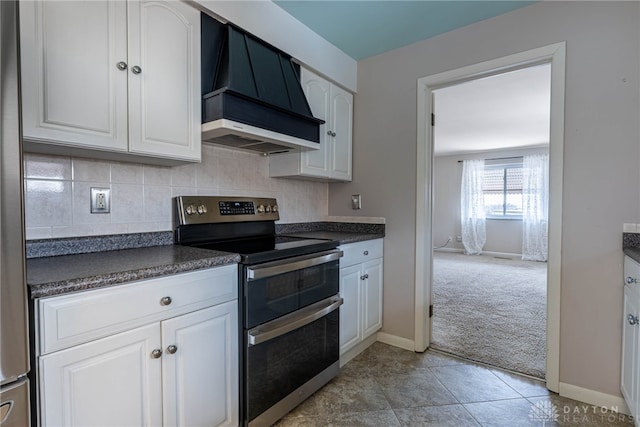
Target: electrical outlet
[(458, 238), (100, 200), (356, 201)]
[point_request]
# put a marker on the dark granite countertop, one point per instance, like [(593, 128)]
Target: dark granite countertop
[(70, 273), (342, 237), (631, 245), (60, 266)]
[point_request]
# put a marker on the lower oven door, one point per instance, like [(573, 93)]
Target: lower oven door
[(290, 358)]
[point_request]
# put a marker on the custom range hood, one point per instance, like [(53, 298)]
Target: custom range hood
[(251, 94)]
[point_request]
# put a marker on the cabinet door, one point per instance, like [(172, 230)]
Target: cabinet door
[(342, 127), (73, 92), (630, 351), (164, 92), (350, 311), (113, 381), (201, 375), (317, 90), (372, 297)]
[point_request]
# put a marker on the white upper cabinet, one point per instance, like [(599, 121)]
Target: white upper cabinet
[(332, 162), (111, 77)]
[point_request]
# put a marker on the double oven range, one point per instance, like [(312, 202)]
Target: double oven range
[(288, 300)]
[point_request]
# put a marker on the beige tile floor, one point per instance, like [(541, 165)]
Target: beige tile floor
[(388, 386)]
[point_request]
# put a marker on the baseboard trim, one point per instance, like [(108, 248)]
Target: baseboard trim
[(489, 253), (396, 341), (452, 250), (602, 400)]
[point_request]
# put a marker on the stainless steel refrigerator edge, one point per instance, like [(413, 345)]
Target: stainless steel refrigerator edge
[(14, 341)]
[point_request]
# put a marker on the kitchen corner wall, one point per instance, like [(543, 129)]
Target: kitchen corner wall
[(57, 191)]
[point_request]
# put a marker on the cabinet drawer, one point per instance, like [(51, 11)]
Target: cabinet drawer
[(74, 319), (355, 253), (631, 272)]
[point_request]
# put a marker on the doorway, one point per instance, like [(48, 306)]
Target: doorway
[(555, 55), (490, 307)]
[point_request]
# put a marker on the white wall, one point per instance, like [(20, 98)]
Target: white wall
[(502, 235), (601, 171), (57, 192)]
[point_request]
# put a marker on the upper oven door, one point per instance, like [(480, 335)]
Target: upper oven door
[(281, 287)]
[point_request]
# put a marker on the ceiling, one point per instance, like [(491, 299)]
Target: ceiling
[(505, 111), (364, 28)]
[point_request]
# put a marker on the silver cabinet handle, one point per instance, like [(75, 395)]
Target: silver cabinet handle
[(366, 252), (366, 276), (631, 280), (136, 69), (172, 349), (292, 264), (293, 321), (633, 320), (121, 65), (165, 301), (156, 353), (331, 133)]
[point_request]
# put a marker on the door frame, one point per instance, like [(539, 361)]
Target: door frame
[(555, 55)]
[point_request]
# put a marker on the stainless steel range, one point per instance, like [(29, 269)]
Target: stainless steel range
[(289, 300)]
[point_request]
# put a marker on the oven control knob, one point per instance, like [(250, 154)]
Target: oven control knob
[(260, 209), (190, 209), (202, 209), (267, 209), (274, 208)]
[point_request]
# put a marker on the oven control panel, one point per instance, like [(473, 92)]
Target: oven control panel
[(216, 209)]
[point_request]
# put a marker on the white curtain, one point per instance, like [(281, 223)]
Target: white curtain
[(535, 207), (472, 213)]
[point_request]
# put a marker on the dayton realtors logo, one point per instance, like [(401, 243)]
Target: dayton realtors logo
[(544, 411), (547, 413)]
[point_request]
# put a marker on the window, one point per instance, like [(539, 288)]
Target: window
[(502, 188)]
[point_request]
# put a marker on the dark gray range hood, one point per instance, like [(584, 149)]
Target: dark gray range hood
[(251, 94)]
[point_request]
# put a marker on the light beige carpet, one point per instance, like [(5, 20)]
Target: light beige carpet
[(491, 310)]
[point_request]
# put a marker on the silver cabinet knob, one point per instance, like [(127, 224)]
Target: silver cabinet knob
[(121, 65), (172, 349), (156, 354), (633, 320), (366, 252), (631, 280), (165, 301), (331, 133), (136, 69), (364, 277)]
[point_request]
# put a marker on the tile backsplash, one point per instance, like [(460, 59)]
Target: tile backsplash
[(57, 192)]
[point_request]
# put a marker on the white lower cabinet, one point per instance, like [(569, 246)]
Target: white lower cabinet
[(361, 283), (200, 376), (112, 381), (180, 369), (630, 377)]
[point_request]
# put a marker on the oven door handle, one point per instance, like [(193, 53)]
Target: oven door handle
[(292, 321), (291, 264)]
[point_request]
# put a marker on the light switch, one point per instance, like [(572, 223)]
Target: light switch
[(356, 201)]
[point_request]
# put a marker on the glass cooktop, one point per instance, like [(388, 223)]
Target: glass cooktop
[(270, 248)]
